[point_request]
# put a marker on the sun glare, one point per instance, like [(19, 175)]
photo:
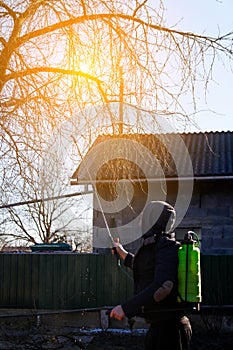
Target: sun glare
[(88, 65)]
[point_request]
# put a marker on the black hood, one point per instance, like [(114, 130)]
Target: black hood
[(158, 217)]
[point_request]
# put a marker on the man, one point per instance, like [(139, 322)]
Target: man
[(155, 267)]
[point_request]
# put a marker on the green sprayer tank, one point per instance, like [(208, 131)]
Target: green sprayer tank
[(189, 272)]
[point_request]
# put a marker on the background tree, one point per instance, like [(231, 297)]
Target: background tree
[(59, 57), (48, 215)]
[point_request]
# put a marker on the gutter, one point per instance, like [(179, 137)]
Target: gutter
[(185, 178)]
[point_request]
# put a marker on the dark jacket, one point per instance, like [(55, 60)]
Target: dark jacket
[(154, 264)]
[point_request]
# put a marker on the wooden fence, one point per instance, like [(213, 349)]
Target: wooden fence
[(71, 281)]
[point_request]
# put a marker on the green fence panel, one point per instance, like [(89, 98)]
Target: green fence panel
[(62, 281), (73, 281), (217, 279)]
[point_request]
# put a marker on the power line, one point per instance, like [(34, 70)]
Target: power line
[(40, 200)]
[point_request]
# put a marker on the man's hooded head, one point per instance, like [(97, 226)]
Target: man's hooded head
[(157, 217)]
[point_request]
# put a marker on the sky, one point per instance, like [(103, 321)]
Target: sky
[(208, 17)]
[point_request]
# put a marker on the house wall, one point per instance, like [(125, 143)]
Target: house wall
[(210, 212), (211, 209)]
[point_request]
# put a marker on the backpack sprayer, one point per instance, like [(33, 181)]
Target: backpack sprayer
[(189, 271)]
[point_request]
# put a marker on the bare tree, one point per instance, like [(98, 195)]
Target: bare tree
[(59, 57), (48, 215)]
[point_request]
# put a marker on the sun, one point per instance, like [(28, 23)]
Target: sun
[(89, 65)]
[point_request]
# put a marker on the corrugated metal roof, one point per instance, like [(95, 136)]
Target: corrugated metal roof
[(211, 153), (182, 155)]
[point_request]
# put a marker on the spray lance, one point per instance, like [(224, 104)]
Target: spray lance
[(113, 223)]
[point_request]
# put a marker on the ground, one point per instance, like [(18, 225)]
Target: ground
[(116, 342), (13, 337)]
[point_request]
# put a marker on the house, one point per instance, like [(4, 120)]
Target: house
[(192, 171)]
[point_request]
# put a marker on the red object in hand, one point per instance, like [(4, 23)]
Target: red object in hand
[(117, 313)]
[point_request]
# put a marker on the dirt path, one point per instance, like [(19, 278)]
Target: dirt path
[(13, 337)]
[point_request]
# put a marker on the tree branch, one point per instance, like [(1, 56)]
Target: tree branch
[(138, 8), (8, 9), (36, 70), (109, 16)]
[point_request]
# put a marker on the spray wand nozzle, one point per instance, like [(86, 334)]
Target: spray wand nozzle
[(191, 238)]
